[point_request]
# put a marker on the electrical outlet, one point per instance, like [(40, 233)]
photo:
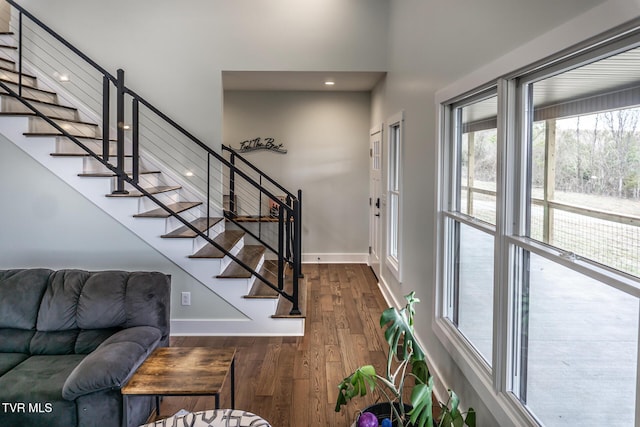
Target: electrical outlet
[(186, 298)]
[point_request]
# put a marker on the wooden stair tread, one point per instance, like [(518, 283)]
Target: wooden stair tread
[(253, 218), (260, 289), (55, 119), (284, 305), (31, 76), (37, 101), (250, 255), (79, 137), (151, 190), (111, 174), (161, 213), (185, 232), (9, 83), (85, 155), (227, 239)]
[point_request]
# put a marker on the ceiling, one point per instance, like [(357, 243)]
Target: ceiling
[(300, 80), (586, 87)]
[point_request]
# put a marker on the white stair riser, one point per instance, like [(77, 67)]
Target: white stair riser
[(199, 243), (191, 215), (7, 40), (7, 63), (145, 181), (38, 125), (12, 105), (172, 223), (145, 204), (92, 165), (32, 93), (66, 145), (14, 78)]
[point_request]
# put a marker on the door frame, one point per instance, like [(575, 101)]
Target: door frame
[(376, 144)]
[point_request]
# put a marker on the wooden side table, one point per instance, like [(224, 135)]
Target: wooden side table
[(182, 371)]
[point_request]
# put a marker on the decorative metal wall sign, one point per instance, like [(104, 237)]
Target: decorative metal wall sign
[(259, 144)]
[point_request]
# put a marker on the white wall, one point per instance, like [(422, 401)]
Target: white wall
[(432, 44), (46, 223), (326, 137)]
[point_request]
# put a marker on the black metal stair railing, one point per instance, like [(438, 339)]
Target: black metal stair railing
[(148, 125), (256, 212)]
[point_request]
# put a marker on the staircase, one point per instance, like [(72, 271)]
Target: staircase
[(123, 175)]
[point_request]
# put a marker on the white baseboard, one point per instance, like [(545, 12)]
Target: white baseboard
[(237, 327), (335, 258)]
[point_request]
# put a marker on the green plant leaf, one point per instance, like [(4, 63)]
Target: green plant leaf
[(420, 370), (399, 331), (451, 415), (422, 400), (356, 384), (454, 402), (470, 420)]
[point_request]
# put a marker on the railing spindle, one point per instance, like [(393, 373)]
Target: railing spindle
[(120, 135), (232, 184), (136, 141), (281, 217), (208, 190), (106, 88), (20, 53)]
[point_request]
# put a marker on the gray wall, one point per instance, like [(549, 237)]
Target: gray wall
[(326, 137)]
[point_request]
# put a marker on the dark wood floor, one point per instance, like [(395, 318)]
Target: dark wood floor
[(292, 381)]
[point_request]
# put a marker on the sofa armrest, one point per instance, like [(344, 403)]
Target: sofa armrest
[(111, 364)]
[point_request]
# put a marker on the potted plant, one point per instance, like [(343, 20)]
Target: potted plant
[(406, 359)]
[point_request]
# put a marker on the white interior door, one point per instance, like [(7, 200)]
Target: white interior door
[(375, 193)]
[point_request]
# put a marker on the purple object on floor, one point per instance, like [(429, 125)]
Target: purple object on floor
[(367, 419)]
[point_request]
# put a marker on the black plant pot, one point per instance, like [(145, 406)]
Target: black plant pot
[(383, 410)]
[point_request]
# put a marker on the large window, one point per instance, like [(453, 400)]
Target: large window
[(471, 220), (540, 235), (394, 183)]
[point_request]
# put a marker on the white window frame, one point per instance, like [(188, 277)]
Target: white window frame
[(393, 256), (511, 189)]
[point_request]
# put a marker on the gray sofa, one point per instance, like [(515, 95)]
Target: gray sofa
[(69, 340)]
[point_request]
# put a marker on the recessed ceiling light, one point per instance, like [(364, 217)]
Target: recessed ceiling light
[(188, 173), (64, 78), (329, 83)]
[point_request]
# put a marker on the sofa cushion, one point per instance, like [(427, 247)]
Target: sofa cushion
[(148, 297), (90, 340), (9, 361), (25, 384), (58, 342), (102, 301), (60, 301), (15, 340), (20, 295)]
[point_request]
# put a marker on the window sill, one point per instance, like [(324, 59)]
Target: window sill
[(506, 409), (393, 264)]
